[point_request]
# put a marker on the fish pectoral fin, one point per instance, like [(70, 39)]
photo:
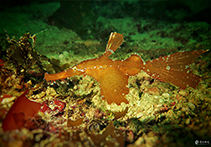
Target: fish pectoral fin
[(113, 84)]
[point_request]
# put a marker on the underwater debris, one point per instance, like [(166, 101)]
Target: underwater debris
[(120, 114), (72, 123), (112, 75), (53, 107), (17, 71), (10, 82), (23, 66), (22, 55), (116, 137)]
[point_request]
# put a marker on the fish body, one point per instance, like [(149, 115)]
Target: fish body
[(112, 75)]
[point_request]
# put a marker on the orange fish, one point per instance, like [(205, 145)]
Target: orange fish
[(112, 75)]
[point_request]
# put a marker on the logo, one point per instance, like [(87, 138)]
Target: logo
[(196, 142), (202, 142)]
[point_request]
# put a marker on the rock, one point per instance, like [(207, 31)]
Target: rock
[(191, 106), (183, 93), (166, 95), (154, 90), (187, 121), (139, 141)]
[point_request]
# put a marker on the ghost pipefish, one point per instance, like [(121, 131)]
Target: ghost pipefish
[(112, 75)]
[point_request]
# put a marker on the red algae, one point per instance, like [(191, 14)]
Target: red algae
[(20, 111), (1, 62)]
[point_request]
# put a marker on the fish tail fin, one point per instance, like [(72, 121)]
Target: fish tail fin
[(175, 68)]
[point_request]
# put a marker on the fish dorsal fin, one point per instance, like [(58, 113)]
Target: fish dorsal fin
[(115, 40)]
